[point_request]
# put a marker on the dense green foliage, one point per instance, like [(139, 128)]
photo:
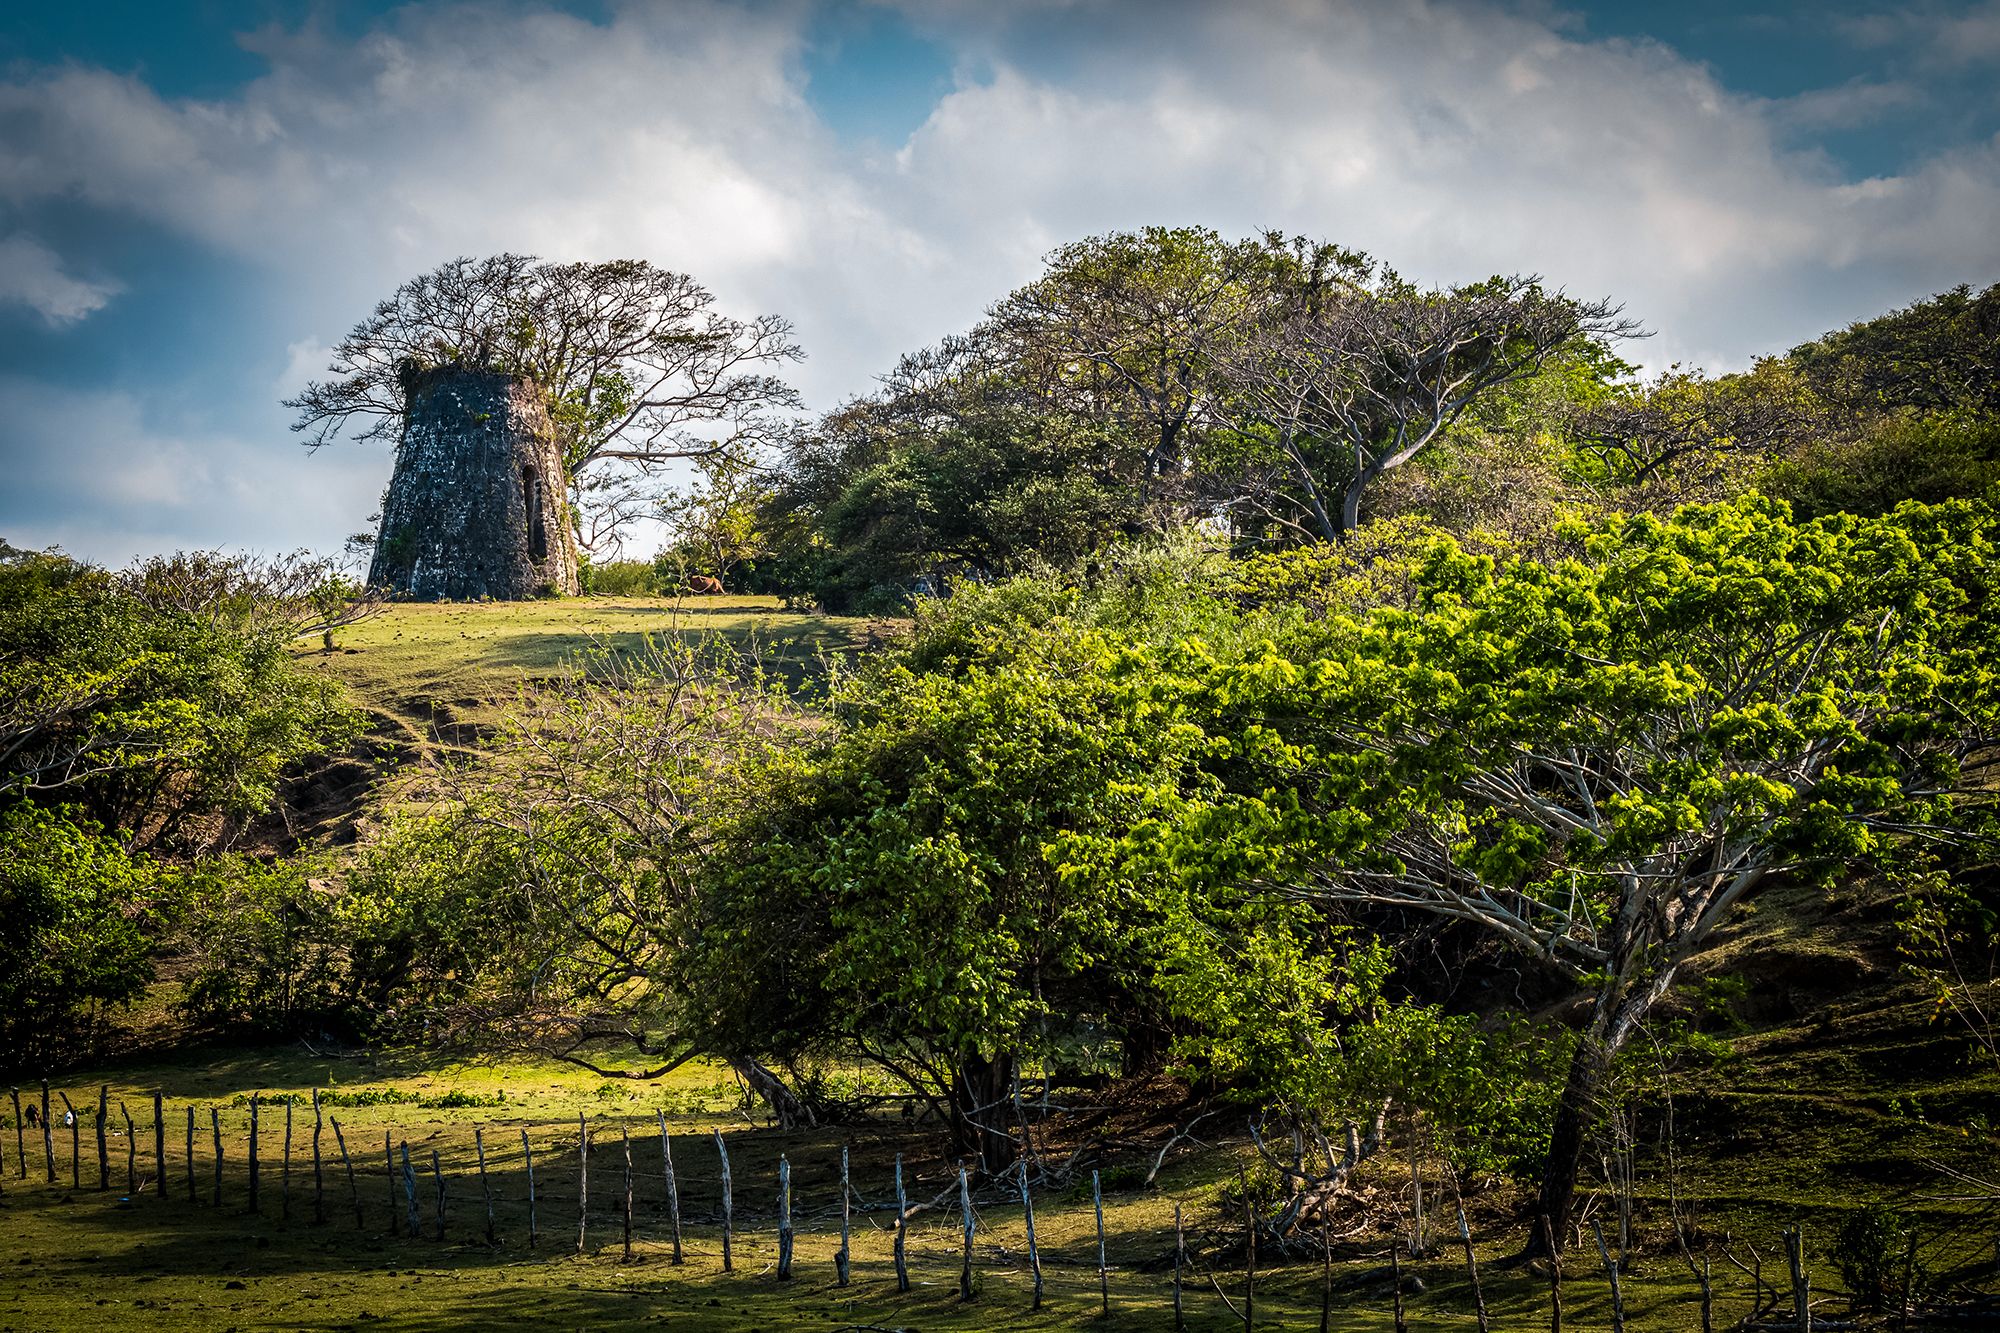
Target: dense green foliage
[(145, 719)]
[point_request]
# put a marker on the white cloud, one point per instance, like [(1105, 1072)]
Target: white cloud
[(1453, 140), (94, 471), (33, 275)]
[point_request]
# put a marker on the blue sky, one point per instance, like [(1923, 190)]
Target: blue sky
[(197, 199)]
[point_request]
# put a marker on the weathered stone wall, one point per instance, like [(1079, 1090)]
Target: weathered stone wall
[(476, 507)]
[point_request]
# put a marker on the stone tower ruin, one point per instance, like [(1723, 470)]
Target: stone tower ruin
[(476, 507)]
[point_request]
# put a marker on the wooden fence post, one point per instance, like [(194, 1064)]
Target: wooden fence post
[(485, 1188), (1103, 1271), (285, 1171), (1611, 1271), (1471, 1268), (20, 1137), (1034, 1251), (784, 1218), (395, 1203), (528, 1160), (48, 1135), (902, 1229), (1180, 1261), (1795, 1255), (673, 1186), (965, 1265), (159, 1143), (215, 1128), (1707, 1300), (625, 1134), (728, 1206), (414, 1217), (75, 1135), (437, 1174), (843, 1258), (582, 1181), (1249, 1250), (131, 1153), (103, 1150), (353, 1186), (319, 1170), (1555, 1275), (253, 1150), (1326, 1272), (190, 1154)]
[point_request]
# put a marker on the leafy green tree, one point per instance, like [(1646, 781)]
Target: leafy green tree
[(1128, 328), (160, 697), (74, 913), (1938, 355), (1371, 371), (1595, 760), (1680, 438)]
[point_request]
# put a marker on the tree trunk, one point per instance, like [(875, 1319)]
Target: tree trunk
[(981, 1097), (1621, 1003), (1577, 1113), (791, 1113)]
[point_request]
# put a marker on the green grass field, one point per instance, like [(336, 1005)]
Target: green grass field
[(164, 1261), (430, 670)]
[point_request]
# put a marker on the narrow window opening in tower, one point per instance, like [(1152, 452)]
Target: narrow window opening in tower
[(538, 537)]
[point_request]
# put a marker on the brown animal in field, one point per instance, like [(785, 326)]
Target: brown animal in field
[(703, 583)]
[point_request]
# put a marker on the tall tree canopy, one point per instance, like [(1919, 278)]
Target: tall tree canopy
[(636, 362)]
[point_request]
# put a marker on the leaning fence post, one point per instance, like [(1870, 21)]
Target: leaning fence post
[(1795, 1253), (319, 1170), (582, 1181), (528, 1160), (190, 1154), (843, 1257), (902, 1229), (20, 1137), (395, 1204), (1471, 1267), (485, 1189), (1028, 1216), (1611, 1270), (414, 1217), (626, 1135), (673, 1186), (285, 1172), (131, 1152), (353, 1186), (965, 1266), (75, 1152), (728, 1205), (48, 1135), (1707, 1300), (159, 1144), (784, 1218), (215, 1128), (103, 1150), (253, 1150)]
